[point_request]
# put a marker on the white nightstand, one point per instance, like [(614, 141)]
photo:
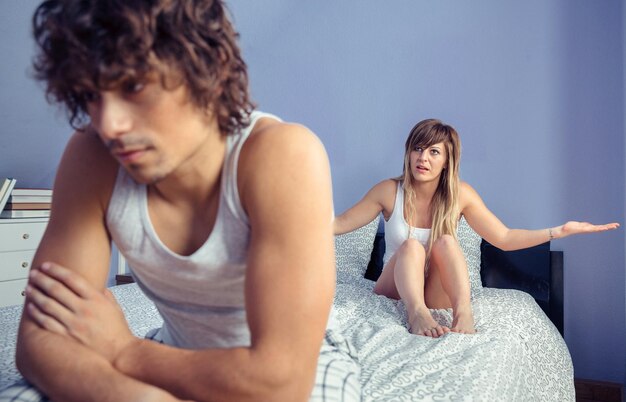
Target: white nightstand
[(19, 239)]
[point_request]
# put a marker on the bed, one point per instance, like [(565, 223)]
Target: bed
[(517, 354)]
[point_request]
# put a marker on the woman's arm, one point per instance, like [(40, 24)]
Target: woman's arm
[(490, 228), (379, 198)]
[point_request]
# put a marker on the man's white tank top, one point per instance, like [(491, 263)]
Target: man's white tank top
[(397, 229), (200, 296)]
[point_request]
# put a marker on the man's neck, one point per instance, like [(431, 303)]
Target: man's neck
[(196, 181)]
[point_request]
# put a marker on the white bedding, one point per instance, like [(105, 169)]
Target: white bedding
[(140, 313), (517, 354)]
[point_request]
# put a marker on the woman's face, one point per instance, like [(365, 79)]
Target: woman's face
[(427, 163)]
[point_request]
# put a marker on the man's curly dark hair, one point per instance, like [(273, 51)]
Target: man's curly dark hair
[(86, 46)]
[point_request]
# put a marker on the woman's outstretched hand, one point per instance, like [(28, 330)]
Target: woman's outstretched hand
[(573, 227)]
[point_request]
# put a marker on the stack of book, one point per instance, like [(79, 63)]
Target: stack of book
[(6, 186), (27, 203)]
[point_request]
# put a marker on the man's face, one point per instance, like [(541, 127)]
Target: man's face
[(149, 129)]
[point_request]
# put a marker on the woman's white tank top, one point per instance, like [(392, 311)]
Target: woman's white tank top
[(397, 229)]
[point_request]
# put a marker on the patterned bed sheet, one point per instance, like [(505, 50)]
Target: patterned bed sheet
[(140, 313), (517, 353)]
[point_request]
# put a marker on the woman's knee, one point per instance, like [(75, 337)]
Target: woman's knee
[(412, 247), (445, 243), (446, 250)]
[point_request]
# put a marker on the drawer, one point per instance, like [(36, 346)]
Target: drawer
[(21, 235), (11, 292), (15, 265)]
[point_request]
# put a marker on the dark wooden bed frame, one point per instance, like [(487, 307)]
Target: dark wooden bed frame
[(537, 271)]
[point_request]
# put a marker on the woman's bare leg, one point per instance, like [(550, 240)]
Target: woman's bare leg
[(403, 278), (447, 285)]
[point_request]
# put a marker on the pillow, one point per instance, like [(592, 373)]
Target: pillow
[(353, 251), (470, 244)]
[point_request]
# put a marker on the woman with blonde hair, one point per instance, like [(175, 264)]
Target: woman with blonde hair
[(423, 263)]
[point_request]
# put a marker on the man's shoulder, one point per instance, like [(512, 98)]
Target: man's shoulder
[(86, 142), (276, 150), (87, 165), (271, 139), (86, 153), (275, 132)]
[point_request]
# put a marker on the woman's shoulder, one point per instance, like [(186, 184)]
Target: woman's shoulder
[(385, 188), (384, 194), (467, 194), (389, 184), (465, 188)]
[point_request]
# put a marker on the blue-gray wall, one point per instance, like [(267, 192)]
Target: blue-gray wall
[(536, 90)]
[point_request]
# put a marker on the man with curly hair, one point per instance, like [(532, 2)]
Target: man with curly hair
[(224, 213)]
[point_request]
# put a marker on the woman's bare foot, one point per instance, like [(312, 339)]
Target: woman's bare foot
[(421, 322), (463, 321)]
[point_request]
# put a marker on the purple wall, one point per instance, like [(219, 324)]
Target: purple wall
[(534, 88)]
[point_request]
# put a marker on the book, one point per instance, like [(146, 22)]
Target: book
[(29, 213), (27, 205), (5, 191), (39, 192), (30, 195)]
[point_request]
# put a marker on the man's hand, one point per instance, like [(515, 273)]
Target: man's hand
[(61, 301)]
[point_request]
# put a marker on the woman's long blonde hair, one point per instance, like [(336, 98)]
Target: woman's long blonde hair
[(444, 206)]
